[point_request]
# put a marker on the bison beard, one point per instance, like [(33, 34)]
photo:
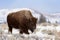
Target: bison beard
[(22, 20)]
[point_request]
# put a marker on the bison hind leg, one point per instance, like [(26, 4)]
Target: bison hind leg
[(10, 29)]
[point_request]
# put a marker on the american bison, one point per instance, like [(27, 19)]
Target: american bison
[(22, 20)]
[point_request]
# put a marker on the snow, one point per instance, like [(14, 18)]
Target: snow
[(38, 34), (58, 29)]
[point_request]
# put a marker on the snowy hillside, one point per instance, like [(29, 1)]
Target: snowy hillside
[(53, 18)]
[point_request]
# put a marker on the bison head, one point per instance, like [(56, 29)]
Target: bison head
[(32, 24)]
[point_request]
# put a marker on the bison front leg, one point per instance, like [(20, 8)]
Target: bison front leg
[(26, 31)]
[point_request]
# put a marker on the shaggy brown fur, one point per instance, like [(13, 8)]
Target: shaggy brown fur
[(22, 20)]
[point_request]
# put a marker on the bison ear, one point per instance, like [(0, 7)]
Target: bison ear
[(33, 19)]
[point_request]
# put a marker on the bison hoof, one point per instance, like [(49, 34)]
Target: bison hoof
[(26, 33), (21, 32)]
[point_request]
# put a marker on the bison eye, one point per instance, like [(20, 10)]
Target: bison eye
[(32, 23)]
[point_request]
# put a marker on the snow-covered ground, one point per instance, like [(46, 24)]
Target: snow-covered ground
[(41, 33)]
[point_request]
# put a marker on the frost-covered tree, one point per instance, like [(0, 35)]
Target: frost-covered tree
[(49, 22), (42, 19), (56, 22)]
